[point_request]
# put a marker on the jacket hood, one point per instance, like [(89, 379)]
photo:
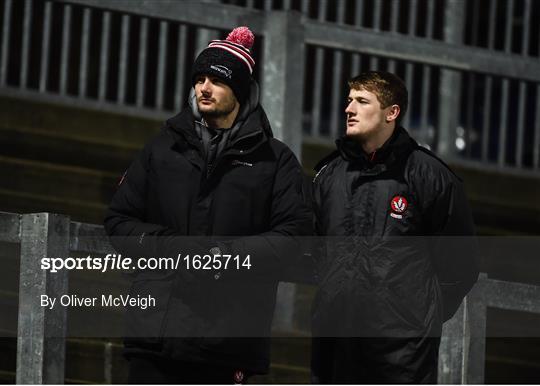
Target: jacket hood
[(185, 120), (248, 107), (245, 109), (251, 119)]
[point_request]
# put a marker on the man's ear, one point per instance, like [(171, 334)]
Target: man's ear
[(393, 113)]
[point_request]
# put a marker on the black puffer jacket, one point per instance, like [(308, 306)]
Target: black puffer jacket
[(373, 281), (253, 197)]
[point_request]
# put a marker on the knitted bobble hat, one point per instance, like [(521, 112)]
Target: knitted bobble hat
[(230, 60)]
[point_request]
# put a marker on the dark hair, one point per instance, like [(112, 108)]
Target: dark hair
[(389, 89)]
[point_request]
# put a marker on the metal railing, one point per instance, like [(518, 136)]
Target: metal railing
[(477, 102), (41, 359), (463, 344)]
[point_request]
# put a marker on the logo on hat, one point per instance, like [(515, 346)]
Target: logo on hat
[(238, 376), (222, 70), (398, 205)]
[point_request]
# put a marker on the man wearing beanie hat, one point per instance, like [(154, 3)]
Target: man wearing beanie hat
[(213, 183), (229, 60)]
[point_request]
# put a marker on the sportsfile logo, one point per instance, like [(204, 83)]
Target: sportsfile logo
[(222, 69)]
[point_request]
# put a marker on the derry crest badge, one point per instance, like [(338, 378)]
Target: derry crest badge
[(398, 206)]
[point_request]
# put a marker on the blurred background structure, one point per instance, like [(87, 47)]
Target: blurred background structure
[(84, 83)]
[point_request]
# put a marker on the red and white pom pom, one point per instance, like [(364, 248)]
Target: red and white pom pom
[(243, 36)]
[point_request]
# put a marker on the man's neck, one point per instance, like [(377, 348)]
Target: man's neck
[(369, 145)]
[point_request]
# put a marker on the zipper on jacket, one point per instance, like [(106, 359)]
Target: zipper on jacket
[(211, 167)]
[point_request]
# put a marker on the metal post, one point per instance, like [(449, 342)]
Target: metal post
[(104, 56), (85, 43), (204, 36), (377, 10), (27, 32), (64, 62), (45, 44), (141, 71), (318, 69), (358, 18), (505, 97), (180, 63), (162, 57), (424, 130), (336, 112), (523, 86), (453, 347), (486, 112), (282, 98), (283, 76), (123, 64), (394, 20), (476, 321), (409, 67), (462, 351), (8, 4), (450, 86), (108, 363), (41, 330)]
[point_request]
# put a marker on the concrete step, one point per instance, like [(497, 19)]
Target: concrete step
[(8, 358), (9, 289), (283, 374), (87, 361), (502, 201), (95, 361), (512, 259), (38, 145), (65, 159), (38, 186), (508, 360), (59, 181), (31, 202), (76, 123), (512, 361), (101, 361)]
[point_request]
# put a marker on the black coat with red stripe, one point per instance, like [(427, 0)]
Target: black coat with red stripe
[(388, 268), (252, 197)]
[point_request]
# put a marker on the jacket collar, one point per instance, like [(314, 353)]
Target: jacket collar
[(396, 148), (251, 133)]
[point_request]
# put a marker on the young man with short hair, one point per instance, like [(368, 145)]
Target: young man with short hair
[(383, 297)]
